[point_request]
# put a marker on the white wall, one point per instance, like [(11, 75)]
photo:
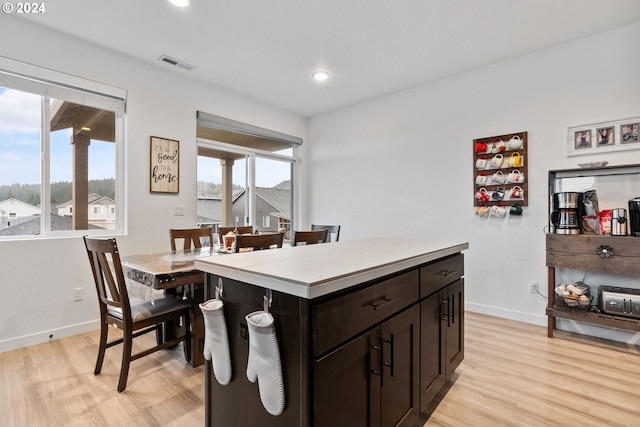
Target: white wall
[(37, 276), (409, 155), (401, 165)]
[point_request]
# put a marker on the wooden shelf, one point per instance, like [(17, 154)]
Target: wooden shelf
[(505, 169), (598, 319), (590, 252)]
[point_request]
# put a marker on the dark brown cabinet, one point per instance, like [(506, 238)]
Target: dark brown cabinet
[(441, 340), (372, 380)]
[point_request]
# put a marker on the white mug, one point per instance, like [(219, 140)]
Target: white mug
[(498, 211), (481, 163), (498, 146), (481, 179), (515, 177), (517, 192), (515, 143), (498, 177), (497, 160)]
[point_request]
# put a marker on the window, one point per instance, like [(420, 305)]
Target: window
[(246, 173), (61, 148)]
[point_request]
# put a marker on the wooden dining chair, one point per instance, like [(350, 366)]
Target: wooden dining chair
[(134, 316), (332, 229), (258, 242), (310, 237), (192, 237), (245, 229)]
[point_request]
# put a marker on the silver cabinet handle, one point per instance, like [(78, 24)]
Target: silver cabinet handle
[(379, 303), (447, 273)]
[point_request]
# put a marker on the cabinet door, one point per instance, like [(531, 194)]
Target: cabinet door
[(454, 335), (432, 366), (400, 382), (347, 393)]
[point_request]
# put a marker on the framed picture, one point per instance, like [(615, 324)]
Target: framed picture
[(164, 170), (603, 137), (582, 139), (629, 133)]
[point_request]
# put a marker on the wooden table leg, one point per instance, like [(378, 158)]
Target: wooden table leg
[(196, 296)]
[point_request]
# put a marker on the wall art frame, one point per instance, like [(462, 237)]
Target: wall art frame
[(164, 169), (603, 137)]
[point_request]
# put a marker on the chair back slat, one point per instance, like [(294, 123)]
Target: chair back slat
[(192, 237), (108, 276), (258, 242), (310, 237)]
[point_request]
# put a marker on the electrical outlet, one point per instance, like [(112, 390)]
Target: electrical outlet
[(533, 287), (78, 294)]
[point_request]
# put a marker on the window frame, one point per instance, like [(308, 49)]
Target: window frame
[(251, 155), (49, 84)]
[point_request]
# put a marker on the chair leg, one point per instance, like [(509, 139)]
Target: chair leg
[(126, 359), (188, 338), (104, 330)]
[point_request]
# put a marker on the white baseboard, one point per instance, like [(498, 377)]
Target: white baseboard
[(535, 319), (612, 334), (44, 336)]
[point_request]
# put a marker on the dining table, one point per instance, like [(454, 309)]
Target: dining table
[(169, 271)]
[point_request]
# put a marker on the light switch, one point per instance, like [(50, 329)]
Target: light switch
[(179, 210)]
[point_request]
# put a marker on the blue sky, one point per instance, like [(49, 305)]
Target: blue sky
[(20, 123)]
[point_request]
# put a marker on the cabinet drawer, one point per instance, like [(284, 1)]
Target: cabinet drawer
[(436, 276), (344, 317)]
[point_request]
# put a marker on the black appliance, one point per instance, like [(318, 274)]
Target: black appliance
[(634, 216), (566, 216)]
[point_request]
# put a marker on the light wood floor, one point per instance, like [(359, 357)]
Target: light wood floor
[(512, 375)]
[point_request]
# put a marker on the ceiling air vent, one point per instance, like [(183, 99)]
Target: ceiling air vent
[(172, 61)]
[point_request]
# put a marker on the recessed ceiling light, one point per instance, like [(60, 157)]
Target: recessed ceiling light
[(321, 75), (180, 3)]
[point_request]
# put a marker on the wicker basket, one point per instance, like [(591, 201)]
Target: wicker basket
[(574, 301)]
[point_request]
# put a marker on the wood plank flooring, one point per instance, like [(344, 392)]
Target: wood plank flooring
[(512, 375)]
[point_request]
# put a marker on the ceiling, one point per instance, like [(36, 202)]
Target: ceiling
[(268, 49)]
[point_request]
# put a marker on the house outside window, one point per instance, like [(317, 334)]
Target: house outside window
[(57, 131)]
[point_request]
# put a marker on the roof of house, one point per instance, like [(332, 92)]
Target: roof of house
[(279, 198), (11, 200), (93, 200), (30, 226)]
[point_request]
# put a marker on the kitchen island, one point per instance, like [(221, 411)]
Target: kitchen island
[(368, 330)]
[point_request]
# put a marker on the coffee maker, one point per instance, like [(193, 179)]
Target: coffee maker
[(566, 216), (634, 216)]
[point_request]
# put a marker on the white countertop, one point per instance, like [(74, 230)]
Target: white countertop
[(316, 270)]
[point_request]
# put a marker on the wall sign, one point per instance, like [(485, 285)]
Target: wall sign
[(165, 165)]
